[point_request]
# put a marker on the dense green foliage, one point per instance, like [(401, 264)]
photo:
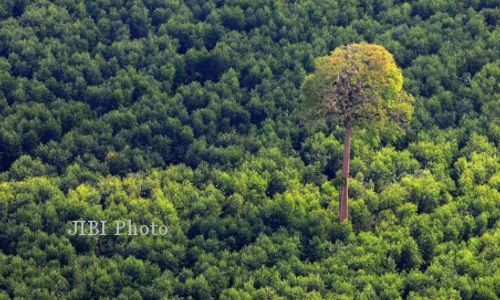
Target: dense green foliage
[(357, 82), (189, 113)]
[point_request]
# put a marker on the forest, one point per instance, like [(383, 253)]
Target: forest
[(190, 113)]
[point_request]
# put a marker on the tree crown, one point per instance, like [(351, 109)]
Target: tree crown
[(357, 82)]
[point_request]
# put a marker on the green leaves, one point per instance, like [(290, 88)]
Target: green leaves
[(185, 112), (355, 82)]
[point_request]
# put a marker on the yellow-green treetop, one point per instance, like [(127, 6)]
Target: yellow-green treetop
[(358, 82)]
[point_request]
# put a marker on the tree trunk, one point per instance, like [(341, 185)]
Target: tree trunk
[(344, 191)]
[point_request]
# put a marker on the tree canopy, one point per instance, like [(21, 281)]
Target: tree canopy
[(357, 82), (189, 113)]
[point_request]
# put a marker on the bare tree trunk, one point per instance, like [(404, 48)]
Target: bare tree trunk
[(344, 191)]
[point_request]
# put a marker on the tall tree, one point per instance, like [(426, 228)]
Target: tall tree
[(359, 84)]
